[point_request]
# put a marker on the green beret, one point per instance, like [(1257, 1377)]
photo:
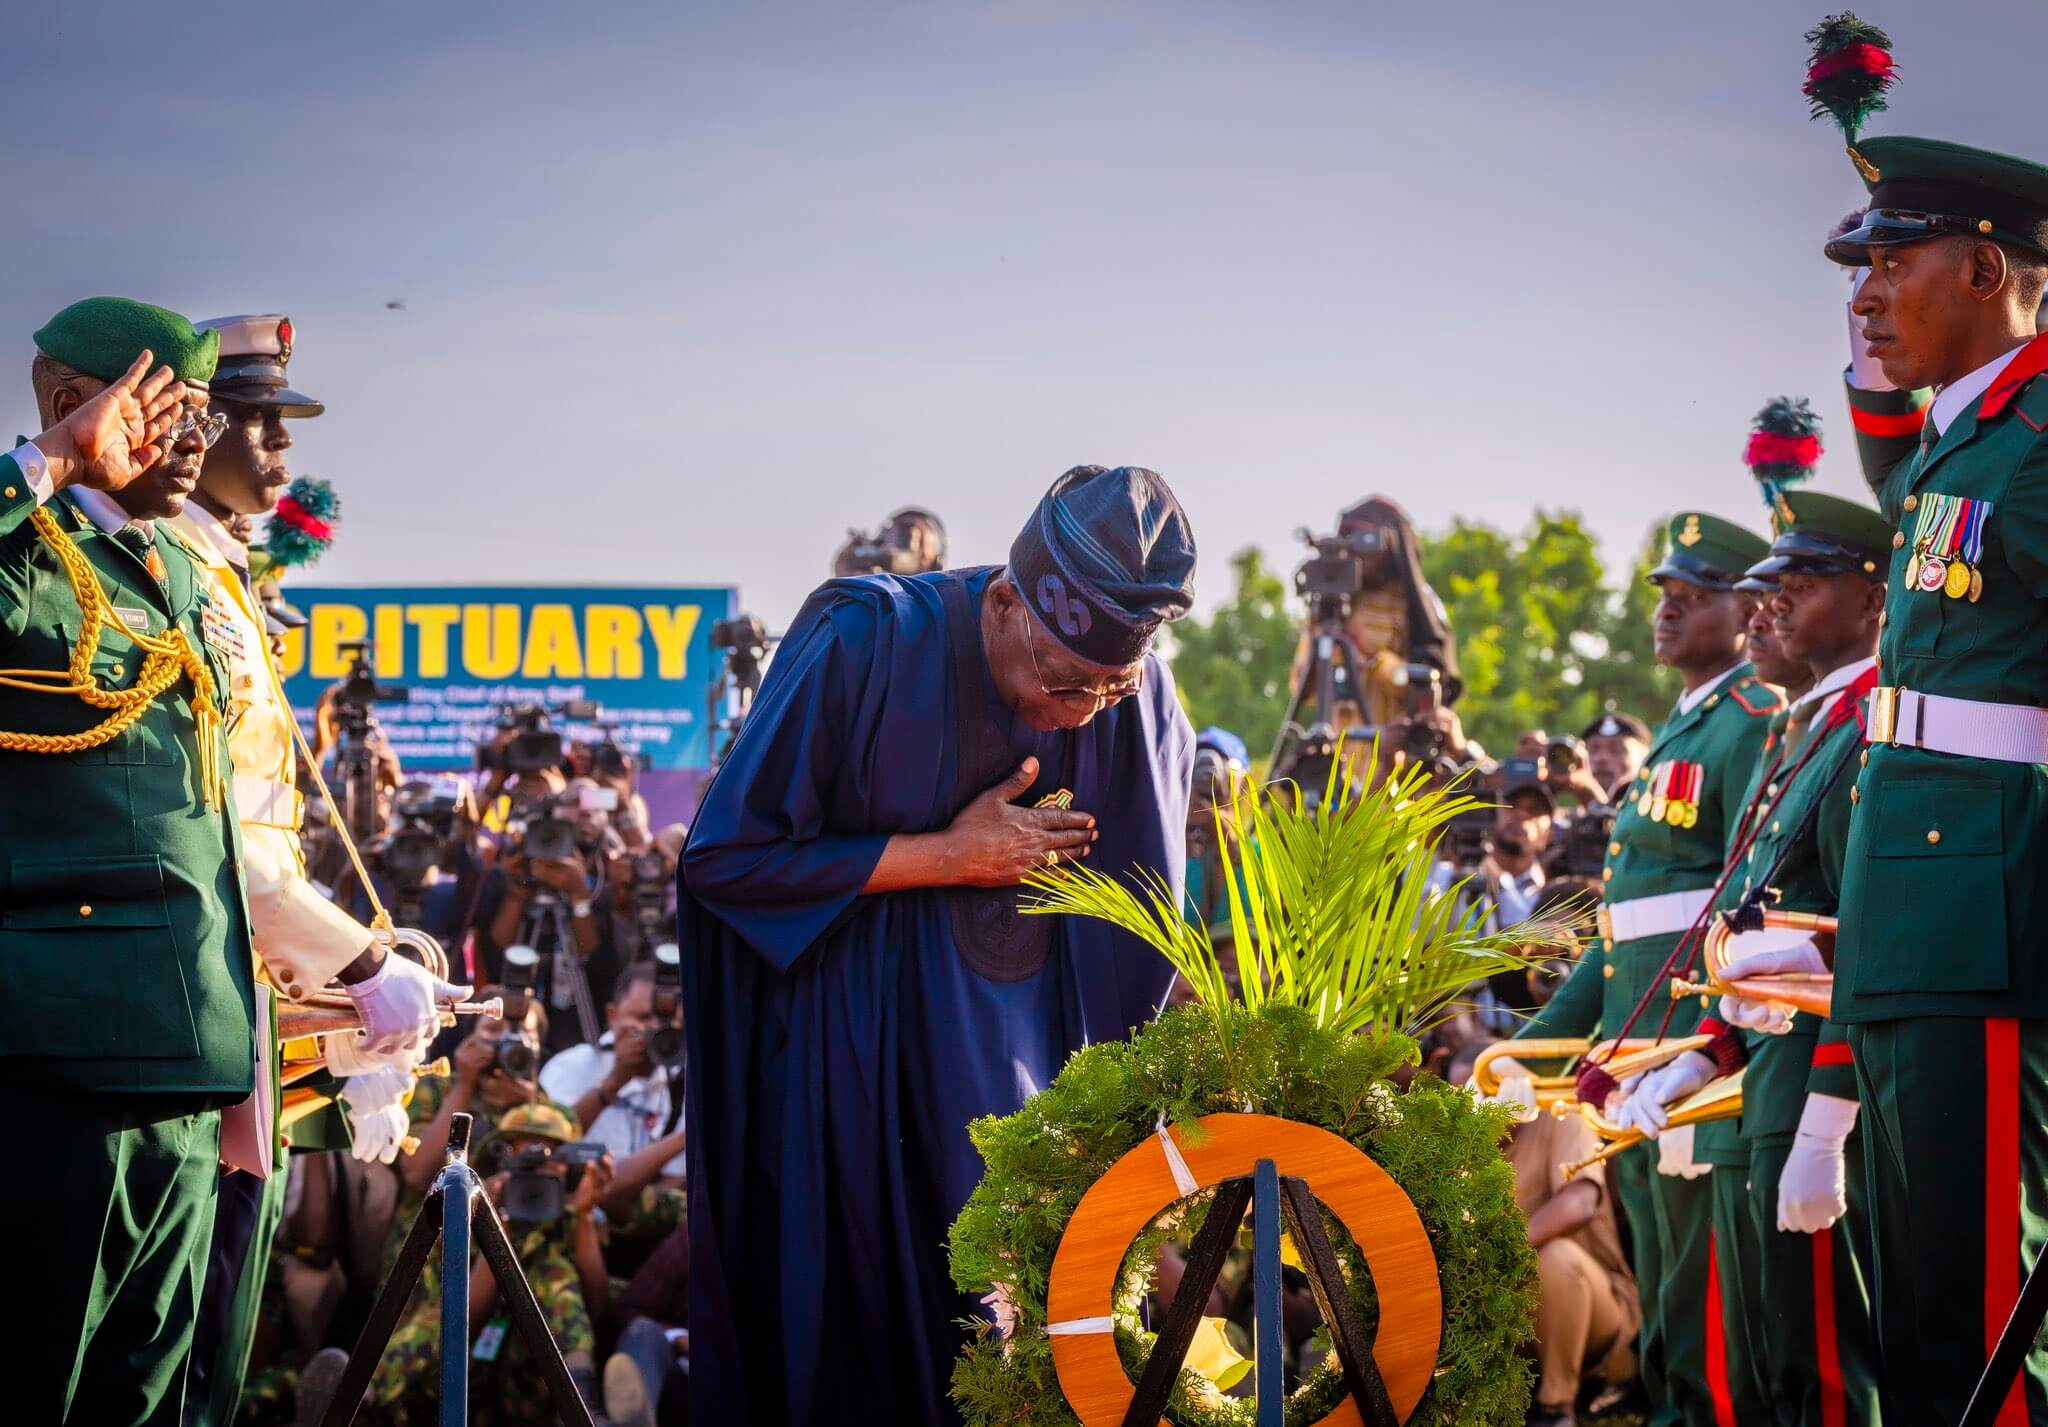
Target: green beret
[(1828, 535), (101, 336), (1923, 187), (1707, 550)]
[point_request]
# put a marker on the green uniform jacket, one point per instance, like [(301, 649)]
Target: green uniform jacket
[(1724, 734), (125, 964), (1782, 1068), (1944, 906)]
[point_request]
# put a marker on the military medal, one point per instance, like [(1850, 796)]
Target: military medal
[(1950, 540)]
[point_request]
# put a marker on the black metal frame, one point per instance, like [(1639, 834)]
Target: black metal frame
[(454, 1207), (1273, 1198), (2022, 1331)]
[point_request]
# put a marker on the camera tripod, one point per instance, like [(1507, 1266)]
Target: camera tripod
[(451, 1214), (1306, 755), (545, 927)]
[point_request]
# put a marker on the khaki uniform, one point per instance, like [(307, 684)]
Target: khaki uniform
[(1590, 1312)]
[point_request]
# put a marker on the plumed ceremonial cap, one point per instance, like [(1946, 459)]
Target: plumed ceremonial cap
[(1617, 725), (102, 335), (1106, 558), (254, 352), (1708, 551), (1828, 535), (1923, 187)]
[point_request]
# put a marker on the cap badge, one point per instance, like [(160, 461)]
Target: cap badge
[(1863, 166), (284, 340), (1070, 616), (1690, 535)]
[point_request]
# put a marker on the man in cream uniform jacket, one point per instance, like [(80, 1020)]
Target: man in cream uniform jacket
[(301, 938)]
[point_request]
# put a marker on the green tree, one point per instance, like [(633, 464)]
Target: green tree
[(1628, 676), (1232, 668)]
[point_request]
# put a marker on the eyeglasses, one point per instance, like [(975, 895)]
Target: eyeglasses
[(1104, 696), (208, 428)]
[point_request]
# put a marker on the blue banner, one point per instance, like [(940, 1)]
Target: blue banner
[(641, 653)]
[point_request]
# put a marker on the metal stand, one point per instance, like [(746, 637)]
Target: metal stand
[(455, 1207), (1271, 1196), (2021, 1332), (546, 928)]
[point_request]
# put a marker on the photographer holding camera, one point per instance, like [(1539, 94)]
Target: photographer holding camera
[(548, 892), (910, 542), (619, 1086), (547, 1186)]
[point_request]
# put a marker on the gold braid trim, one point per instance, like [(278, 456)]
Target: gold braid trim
[(165, 659)]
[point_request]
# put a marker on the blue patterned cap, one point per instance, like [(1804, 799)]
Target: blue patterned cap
[(1105, 558)]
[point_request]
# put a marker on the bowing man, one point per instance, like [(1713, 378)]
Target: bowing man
[(860, 983)]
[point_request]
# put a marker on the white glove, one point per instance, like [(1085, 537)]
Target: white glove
[(1864, 372), (377, 1136), (1813, 1191), (1517, 1089), (1772, 1018), (1674, 1155), (1647, 1110), (401, 1005), (345, 1055)]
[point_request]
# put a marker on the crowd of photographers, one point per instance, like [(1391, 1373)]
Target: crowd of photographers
[(541, 875)]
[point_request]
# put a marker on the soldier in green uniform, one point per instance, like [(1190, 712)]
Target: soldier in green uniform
[(1804, 1299), (563, 1261), (1661, 867), (125, 1001), (1939, 973), (1737, 1238)]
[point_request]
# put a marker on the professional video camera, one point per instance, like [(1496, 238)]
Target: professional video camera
[(1582, 850), (1341, 568), (359, 687), (543, 826), (745, 641), (535, 744), (532, 1194), (354, 762), (647, 891), (910, 542), (518, 1051)]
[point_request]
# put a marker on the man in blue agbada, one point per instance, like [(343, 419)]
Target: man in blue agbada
[(860, 983)]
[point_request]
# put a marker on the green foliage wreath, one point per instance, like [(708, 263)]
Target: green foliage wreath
[(1338, 954)]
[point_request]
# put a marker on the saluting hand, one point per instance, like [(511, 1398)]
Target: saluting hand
[(112, 438), (994, 843)]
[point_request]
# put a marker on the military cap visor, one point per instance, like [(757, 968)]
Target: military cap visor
[(1808, 552), (1756, 582), (1922, 188), (1683, 565), (267, 394)]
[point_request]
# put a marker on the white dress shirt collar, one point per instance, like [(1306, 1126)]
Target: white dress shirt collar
[(1687, 702), (100, 509), (1959, 393), (231, 550), (1832, 685)]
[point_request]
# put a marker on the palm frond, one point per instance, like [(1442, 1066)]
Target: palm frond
[(1331, 907)]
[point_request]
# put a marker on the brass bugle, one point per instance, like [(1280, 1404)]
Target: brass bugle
[(1802, 991), (1719, 1100), (1559, 1093), (293, 1071), (318, 1015)]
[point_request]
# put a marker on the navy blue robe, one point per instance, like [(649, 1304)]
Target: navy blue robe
[(839, 1044)]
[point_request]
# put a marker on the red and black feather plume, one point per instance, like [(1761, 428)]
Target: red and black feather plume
[(1849, 72), (1784, 448)]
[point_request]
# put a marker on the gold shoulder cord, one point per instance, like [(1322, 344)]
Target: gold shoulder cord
[(380, 919), (164, 660)]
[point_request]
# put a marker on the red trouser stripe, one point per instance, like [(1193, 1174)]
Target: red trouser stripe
[(1717, 1345), (1834, 1406), (2002, 1196)]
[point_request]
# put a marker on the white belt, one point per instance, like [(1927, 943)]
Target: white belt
[(1654, 916), (2010, 733), (268, 804)]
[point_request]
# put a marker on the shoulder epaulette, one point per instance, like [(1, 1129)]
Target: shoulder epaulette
[(2032, 406), (178, 543), (1759, 698)]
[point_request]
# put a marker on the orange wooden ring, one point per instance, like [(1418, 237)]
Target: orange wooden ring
[(1140, 1186)]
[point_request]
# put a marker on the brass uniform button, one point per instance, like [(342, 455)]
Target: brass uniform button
[(1863, 759), (1608, 971), (1933, 836), (117, 671), (1613, 849), (1713, 699), (1855, 794), (10, 492), (1898, 540), (1607, 874), (1774, 826), (85, 911), (1912, 502)]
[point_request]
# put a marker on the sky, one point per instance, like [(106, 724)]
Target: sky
[(690, 289)]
